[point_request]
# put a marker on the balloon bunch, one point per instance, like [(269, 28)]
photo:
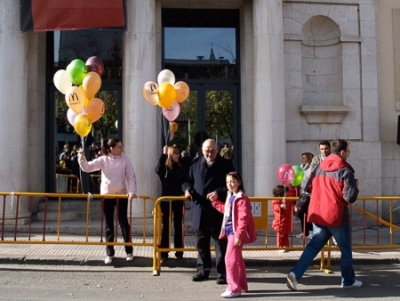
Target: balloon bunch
[(80, 82), (167, 94), (290, 175)]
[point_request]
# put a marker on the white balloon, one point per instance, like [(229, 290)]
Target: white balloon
[(62, 81), (166, 76)]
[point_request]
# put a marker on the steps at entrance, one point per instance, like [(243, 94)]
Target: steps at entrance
[(71, 210)]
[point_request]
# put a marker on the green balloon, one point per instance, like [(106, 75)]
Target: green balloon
[(298, 175), (77, 71)]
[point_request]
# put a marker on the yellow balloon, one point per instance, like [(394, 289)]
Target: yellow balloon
[(62, 164), (91, 84), (173, 127), (82, 125), (166, 94), (75, 99), (85, 100)]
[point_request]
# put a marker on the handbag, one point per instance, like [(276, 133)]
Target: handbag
[(303, 202)]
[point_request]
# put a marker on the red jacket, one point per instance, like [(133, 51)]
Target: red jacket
[(333, 188), (283, 217), (242, 217)]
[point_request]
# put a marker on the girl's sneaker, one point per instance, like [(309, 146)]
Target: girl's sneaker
[(108, 259), (229, 294)]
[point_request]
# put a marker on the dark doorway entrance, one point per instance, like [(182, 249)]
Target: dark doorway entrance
[(201, 48)]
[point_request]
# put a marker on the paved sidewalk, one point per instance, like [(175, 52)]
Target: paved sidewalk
[(95, 254)]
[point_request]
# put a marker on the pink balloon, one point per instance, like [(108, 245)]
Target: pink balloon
[(285, 174), (71, 116), (173, 112)]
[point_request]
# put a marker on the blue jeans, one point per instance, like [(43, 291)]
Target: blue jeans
[(321, 235)]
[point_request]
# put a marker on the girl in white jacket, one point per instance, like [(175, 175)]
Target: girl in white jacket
[(116, 169)]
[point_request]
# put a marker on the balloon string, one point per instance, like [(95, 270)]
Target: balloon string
[(80, 169), (164, 130)]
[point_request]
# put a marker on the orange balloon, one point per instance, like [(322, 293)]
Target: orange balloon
[(150, 92), (173, 127), (91, 84), (182, 91), (75, 98), (82, 125), (166, 94), (95, 109)]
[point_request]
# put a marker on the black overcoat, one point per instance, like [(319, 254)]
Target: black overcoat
[(201, 180)]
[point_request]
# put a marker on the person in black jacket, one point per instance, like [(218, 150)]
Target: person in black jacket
[(207, 181), (171, 174)]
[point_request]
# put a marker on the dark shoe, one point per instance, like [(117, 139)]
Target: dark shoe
[(199, 277), (221, 280), (163, 259)]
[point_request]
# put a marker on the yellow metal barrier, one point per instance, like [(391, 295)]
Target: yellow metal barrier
[(360, 215), (65, 183), (373, 224), (31, 198), (263, 219)]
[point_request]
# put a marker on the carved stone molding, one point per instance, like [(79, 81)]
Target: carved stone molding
[(325, 114)]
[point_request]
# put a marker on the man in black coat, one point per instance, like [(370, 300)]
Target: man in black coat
[(206, 179)]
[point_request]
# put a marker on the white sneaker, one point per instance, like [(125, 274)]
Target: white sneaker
[(355, 284), (108, 259), (229, 294), (291, 281), (283, 251), (299, 235), (129, 257)]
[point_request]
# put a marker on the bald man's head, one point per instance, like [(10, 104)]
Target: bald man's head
[(210, 149)]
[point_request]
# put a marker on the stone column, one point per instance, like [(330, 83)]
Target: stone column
[(14, 111), (140, 123), (269, 96), (247, 96)]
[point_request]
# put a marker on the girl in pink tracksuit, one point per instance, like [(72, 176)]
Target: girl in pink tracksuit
[(238, 226)]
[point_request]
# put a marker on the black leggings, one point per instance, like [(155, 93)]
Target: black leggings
[(177, 210), (122, 211)]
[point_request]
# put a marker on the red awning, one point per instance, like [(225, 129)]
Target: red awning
[(45, 15)]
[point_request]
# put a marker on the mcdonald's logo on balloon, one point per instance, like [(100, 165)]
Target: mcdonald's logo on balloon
[(75, 99)]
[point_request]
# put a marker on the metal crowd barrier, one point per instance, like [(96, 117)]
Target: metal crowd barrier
[(373, 225), (18, 227), (65, 183)]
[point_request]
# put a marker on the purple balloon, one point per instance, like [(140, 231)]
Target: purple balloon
[(173, 112), (95, 64), (285, 174)]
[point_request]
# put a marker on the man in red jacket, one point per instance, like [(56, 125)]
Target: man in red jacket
[(333, 188)]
